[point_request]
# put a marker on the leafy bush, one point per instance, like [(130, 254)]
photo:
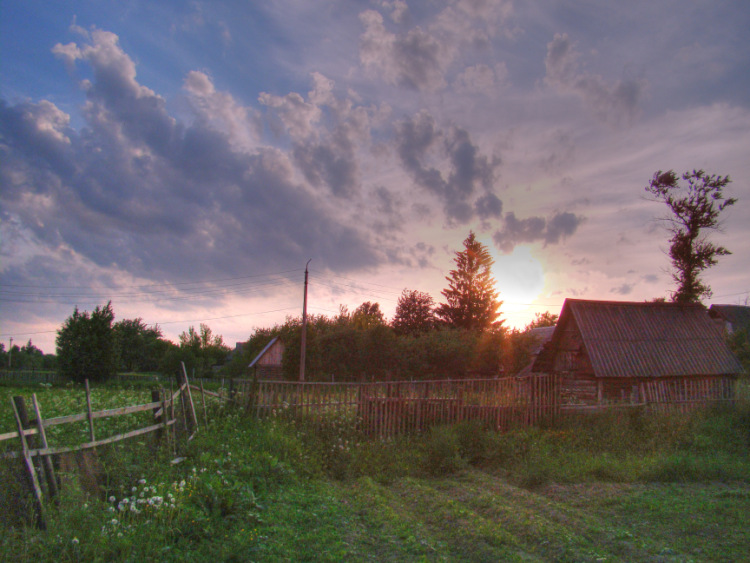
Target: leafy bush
[(443, 452)]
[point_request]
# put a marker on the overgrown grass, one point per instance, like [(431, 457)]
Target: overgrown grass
[(276, 490)]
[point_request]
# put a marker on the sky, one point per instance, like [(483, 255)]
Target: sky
[(186, 160)]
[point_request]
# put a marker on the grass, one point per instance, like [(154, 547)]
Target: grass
[(613, 487)]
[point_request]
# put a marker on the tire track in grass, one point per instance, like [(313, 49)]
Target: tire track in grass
[(551, 529), (418, 515)]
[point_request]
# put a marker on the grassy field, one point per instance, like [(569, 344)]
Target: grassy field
[(616, 487)]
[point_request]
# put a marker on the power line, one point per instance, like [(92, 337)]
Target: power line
[(170, 284)]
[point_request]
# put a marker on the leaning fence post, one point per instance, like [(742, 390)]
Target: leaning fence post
[(31, 471), (49, 470), (193, 417)]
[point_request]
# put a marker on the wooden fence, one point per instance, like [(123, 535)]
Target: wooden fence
[(389, 408), (168, 408), (685, 395)]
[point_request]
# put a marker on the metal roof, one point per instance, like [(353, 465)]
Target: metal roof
[(637, 339)]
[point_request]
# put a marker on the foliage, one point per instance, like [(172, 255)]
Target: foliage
[(605, 487), (471, 298), (542, 320), (86, 346), (739, 342), (140, 348), (202, 350), (26, 357), (415, 313), (695, 208), (367, 315)]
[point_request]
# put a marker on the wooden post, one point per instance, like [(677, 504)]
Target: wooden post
[(191, 405), (88, 411), (231, 391), (49, 470), (158, 418), (203, 402), (171, 417), (30, 470)]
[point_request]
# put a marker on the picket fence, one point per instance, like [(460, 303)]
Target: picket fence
[(386, 409)]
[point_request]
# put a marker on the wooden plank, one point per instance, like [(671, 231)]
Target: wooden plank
[(14, 434), (88, 411), (49, 470), (191, 405), (203, 402), (31, 471)]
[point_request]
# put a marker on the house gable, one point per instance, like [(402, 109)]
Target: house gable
[(611, 339)]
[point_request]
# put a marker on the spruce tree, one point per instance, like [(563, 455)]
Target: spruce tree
[(471, 298)]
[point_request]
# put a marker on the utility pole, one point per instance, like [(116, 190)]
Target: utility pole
[(10, 354), (303, 338)]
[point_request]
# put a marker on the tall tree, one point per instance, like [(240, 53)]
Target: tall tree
[(472, 300), (86, 347), (367, 316), (138, 345), (415, 313), (204, 349), (695, 208)]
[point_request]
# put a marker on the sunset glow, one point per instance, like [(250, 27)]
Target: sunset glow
[(186, 160)]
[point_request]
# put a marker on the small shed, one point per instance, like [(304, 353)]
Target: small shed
[(268, 363), (633, 352), (538, 337)]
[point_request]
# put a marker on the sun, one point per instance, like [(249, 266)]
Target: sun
[(520, 280)]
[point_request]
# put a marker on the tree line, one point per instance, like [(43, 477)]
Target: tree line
[(462, 337), (94, 346)]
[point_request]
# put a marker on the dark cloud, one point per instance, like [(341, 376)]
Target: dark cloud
[(624, 289), (549, 230), (327, 164), (465, 189), (414, 59), (139, 191), (612, 104)]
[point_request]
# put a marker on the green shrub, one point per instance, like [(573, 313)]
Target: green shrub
[(443, 452)]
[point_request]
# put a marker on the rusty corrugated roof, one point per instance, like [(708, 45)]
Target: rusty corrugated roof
[(636, 339)]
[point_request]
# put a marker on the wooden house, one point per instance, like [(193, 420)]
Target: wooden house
[(268, 363), (634, 352)]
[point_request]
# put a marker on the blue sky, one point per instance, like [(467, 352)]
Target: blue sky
[(186, 159)]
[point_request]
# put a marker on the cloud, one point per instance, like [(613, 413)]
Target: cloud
[(624, 289), (422, 147), (137, 190), (550, 230), (614, 104), (220, 111), (413, 60)]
